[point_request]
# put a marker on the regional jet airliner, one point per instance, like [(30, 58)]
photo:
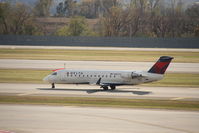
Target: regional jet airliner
[(106, 78)]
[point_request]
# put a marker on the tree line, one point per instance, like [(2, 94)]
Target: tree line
[(116, 18)]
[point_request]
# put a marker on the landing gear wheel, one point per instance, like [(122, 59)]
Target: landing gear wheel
[(105, 88), (53, 85), (112, 87)]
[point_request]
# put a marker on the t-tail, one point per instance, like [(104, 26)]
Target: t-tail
[(161, 65)]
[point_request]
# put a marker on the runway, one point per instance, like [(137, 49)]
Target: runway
[(99, 65), (66, 119), (131, 92)]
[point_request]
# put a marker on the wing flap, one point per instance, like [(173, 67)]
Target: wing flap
[(99, 83)]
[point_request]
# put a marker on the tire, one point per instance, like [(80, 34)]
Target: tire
[(105, 88), (113, 87), (53, 85)]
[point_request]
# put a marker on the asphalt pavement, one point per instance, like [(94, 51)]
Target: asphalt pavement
[(68, 119), (131, 92), (95, 65)]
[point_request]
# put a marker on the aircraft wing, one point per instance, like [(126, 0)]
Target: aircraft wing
[(111, 84), (96, 83), (106, 84)]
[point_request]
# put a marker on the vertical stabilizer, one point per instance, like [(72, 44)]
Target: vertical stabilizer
[(161, 65)]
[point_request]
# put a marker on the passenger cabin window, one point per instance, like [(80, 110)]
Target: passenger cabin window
[(55, 73)]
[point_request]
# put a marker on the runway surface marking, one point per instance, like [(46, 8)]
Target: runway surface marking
[(179, 98), (26, 94), (4, 131), (139, 122), (193, 88)]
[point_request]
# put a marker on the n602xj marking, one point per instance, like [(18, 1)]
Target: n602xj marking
[(111, 79)]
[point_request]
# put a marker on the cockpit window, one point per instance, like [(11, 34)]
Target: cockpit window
[(55, 73)]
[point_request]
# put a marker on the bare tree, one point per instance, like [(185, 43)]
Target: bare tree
[(42, 8), (121, 22), (20, 17), (17, 19), (112, 22), (4, 13), (134, 21)]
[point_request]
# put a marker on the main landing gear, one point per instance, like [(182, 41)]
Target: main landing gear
[(113, 87), (106, 87), (53, 85)]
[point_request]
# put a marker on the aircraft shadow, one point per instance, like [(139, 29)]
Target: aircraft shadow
[(91, 91)]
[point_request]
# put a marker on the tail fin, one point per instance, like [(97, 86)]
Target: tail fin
[(161, 65)]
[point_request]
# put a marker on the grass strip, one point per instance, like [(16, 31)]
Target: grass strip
[(101, 102), (36, 76), (177, 80), (22, 75), (97, 55)]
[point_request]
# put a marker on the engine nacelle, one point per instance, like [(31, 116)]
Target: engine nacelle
[(126, 75), (134, 75), (131, 75)]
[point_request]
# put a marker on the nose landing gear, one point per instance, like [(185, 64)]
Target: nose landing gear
[(53, 85)]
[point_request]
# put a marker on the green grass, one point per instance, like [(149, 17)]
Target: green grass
[(22, 76), (36, 76), (97, 55), (101, 102), (178, 80)]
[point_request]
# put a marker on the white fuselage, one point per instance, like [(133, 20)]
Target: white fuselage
[(106, 77)]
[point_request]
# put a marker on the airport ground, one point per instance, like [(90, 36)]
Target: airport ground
[(98, 65), (108, 116), (84, 95), (130, 92), (181, 56), (33, 71), (98, 48), (71, 119)]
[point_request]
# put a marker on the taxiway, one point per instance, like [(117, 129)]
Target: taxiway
[(131, 92), (98, 65)]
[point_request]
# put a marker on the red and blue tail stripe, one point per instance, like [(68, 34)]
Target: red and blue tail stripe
[(161, 65)]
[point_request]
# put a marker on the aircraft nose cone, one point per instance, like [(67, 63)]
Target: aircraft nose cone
[(45, 79)]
